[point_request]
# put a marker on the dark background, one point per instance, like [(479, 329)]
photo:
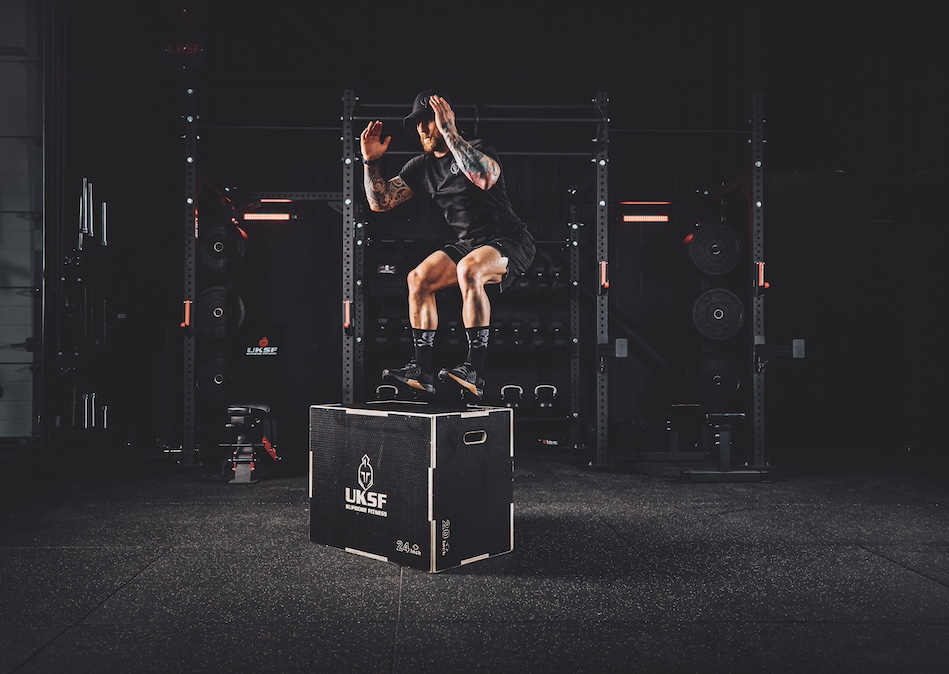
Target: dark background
[(855, 162)]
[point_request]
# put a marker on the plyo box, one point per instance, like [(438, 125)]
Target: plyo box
[(423, 486)]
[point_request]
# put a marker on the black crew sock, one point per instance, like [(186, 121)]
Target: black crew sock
[(477, 346), (424, 345)]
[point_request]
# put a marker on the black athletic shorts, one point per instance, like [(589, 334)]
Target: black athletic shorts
[(517, 248)]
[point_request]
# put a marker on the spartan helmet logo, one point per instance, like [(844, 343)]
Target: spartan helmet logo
[(364, 474)]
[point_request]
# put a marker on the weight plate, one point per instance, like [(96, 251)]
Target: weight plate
[(218, 311), (715, 380), (221, 247), (211, 378), (714, 249), (718, 313)]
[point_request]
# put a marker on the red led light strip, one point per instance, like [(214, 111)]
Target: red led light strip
[(266, 216), (645, 218)]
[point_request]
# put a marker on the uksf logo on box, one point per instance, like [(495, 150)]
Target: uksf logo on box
[(363, 500)]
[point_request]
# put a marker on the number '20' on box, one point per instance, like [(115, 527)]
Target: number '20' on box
[(423, 486)]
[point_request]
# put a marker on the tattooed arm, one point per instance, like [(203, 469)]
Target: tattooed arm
[(480, 169), (382, 195)]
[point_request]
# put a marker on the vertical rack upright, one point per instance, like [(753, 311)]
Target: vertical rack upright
[(188, 444), (602, 298), (352, 263), (756, 231)]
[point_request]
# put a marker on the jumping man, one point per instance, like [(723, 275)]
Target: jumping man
[(492, 245)]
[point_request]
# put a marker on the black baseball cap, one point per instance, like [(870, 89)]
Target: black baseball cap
[(421, 111)]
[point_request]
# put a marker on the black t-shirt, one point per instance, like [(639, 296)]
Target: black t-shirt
[(474, 213)]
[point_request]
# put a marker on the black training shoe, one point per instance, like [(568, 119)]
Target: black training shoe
[(410, 377), (466, 377)]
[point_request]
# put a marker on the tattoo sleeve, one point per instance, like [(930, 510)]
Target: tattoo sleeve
[(382, 194), (480, 169)]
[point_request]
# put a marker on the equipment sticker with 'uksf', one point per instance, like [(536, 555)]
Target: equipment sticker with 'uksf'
[(263, 348), (363, 500)]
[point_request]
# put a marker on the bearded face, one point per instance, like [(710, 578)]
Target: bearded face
[(430, 136)]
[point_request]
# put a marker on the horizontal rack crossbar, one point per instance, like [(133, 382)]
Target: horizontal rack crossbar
[(723, 131), (539, 242), (511, 154), (506, 106), (271, 128), (499, 119)]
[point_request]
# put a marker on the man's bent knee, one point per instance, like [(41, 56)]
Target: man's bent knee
[(468, 273), (473, 273), (428, 278), (415, 279)]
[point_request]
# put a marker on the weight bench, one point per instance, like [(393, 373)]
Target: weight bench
[(249, 427), (722, 424)]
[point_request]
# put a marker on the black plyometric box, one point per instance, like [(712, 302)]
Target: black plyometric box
[(424, 486)]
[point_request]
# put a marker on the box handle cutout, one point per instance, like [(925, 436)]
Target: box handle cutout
[(475, 437)]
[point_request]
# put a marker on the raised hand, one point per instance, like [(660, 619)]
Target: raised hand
[(444, 115), (482, 170), (371, 143)]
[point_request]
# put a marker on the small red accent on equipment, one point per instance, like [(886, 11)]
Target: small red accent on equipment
[(604, 281), (270, 448), (761, 282)]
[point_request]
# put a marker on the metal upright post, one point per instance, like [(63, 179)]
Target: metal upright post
[(602, 299), (351, 328), (188, 445), (757, 252), (573, 242)]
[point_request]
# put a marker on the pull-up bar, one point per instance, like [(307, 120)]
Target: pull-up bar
[(510, 154), (501, 119), (509, 106), (475, 108)]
